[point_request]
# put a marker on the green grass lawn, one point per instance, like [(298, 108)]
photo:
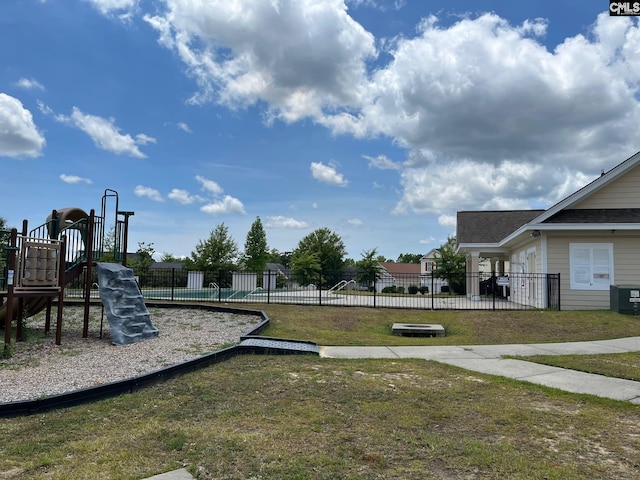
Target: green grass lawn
[(303, 417), (367, 326)]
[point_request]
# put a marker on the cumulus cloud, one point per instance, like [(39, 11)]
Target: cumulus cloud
[(105, 134), (209, 186), (226, 205), (486, 97), (355, 222), (122, 9), (29, 84), (279, 221), (301, 57), (183, 196), (382, 162), (73, 179), (19, 136), (327, 174), (152, 193), (184, 127)]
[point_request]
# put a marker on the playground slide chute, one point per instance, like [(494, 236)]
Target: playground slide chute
[(66, 218)]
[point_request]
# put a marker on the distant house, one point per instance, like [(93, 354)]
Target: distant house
[(399, 275), (428, 264), (591, 238), (167, 266)]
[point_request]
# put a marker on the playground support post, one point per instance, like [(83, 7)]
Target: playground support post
[(11, 268), (87, 284), (61, 271)]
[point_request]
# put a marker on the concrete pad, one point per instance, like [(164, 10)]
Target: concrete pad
[(516, 369), (433, 353), (356, 352), (418, 329), (181, 474), (598, 385), (630, 344), (576, 348), (497, 351), (560, 378)]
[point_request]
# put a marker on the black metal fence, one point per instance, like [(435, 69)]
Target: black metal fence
[(474, 291)]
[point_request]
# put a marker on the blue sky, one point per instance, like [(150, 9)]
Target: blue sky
[(376, 119)]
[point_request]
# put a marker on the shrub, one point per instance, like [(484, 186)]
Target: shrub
[(390, 289), (423, 290), (413, 289), (399, 289)]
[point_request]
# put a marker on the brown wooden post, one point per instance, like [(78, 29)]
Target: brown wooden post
[(47, 322), (61, 271), (87, 279)]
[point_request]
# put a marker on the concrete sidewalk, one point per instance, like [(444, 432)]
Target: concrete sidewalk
[(488, 359)]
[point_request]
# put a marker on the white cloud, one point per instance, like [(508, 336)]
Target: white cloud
[(301, 57), (327, 174), (466, 185), (447, 221), (152, 193), (227, 205), (19, 136), (29, 84), (74, 179), (123, 9), (184, 127), (382, 162), (485, 98), (355, 222), (105, 134), (209, 186), (278, 221), (183, 196)]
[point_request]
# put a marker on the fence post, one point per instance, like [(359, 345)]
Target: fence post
[(433, 302), (173, 282), (219, 286), (269, 286), (320, 288), (493, 288), (559, 307), (375, 289)]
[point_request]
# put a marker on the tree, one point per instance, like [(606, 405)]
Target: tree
[(283, 258), (144, 256), (370, 270), (306, 267), (451, 266), (219, 251), (256, 252), (329, 251), (167, 257), (409, 258)]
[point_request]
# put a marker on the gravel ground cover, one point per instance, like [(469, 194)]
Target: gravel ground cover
[(38, 368)]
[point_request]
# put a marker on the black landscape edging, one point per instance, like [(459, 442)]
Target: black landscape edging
[(131, 385)]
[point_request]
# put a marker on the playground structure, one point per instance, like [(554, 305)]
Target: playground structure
[(39, 263)]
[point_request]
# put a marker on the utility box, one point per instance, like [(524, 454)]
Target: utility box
[(625, 299)]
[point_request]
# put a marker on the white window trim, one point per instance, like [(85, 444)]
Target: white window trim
[(585, 269)]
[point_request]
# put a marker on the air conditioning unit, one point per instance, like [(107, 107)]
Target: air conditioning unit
[(625, 299)]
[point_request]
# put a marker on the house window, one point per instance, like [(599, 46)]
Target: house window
[(591, 266), (431, 266)]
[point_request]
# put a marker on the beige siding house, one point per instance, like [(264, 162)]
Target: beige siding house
[(591, 238)]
